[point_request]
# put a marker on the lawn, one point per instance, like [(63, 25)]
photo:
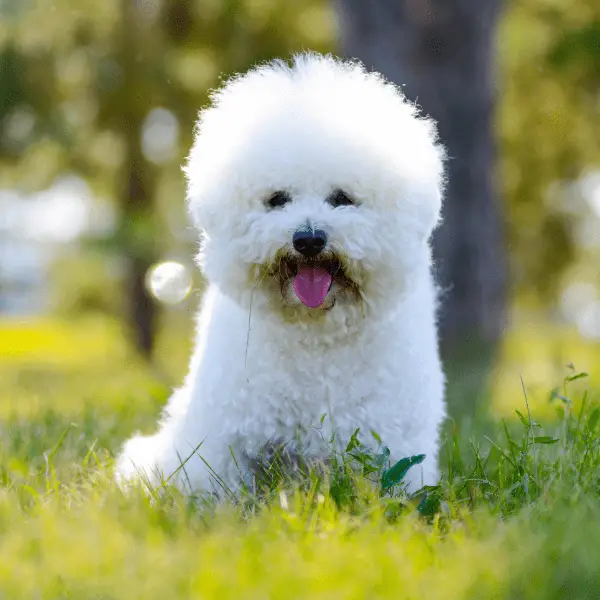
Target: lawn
[(516, 515)]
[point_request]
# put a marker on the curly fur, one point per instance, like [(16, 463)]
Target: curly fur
[(266, 367)]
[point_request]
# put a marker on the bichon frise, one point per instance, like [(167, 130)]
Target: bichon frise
[(315, 189)]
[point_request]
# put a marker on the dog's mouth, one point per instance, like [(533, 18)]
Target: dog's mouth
[(312, 279), (312, 283)]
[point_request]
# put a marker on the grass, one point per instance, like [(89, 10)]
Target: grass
[(516, 515)]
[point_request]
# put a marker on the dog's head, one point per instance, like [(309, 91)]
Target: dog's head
[(315, 187)]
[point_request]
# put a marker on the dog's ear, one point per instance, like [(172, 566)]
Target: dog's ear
[(431, 196), (420, 204), (428, 213), (208, 168), (420, 175), (200, 212), (200, 193)]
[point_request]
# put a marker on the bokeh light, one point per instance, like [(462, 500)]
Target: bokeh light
[(169, 282)]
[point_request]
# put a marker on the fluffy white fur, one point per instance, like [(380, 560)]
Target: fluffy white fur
[(265, 367)]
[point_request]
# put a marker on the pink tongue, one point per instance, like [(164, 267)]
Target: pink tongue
[(311, 285)]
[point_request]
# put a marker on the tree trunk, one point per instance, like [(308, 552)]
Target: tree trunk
[(442, 50), (137, 188), (136, 212)]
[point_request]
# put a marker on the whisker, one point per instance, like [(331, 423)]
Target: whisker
[(266, 271), (248, 335)]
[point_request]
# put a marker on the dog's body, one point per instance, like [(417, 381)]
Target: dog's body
[(316, 189)]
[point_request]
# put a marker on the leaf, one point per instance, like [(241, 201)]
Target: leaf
[(396, 473), (376, 436), (360, 457), (545, 439), (576, 376), (323, 417), (560, 397), (31, 491), (431, 503), (353, 442), (514, 446), (62, 438), (381, 459), (523, 419), (593, 420)]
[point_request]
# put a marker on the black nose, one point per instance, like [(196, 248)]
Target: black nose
[(309, 242)]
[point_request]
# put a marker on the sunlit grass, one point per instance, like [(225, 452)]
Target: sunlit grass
[(517, 513), (60, 343), (538, 353)]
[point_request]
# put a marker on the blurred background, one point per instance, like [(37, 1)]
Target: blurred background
[(98, 103)]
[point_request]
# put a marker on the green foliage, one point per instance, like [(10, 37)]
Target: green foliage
[(396, 473), (89, 73), (85, 283), (79, 79), (548, 126)]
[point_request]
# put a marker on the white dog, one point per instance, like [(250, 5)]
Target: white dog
[(315, 189)]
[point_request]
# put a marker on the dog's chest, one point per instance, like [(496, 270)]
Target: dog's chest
[(299, 386), (268, 382)]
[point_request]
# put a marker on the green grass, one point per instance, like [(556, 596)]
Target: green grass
[(516, 515)]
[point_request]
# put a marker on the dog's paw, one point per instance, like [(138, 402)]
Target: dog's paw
[(138, 464)]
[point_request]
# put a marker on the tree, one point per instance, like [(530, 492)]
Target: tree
[(442, 51), (89, 73), (67, 90), (548, 132)]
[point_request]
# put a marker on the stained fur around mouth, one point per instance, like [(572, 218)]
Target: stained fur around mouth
[(287, 266)]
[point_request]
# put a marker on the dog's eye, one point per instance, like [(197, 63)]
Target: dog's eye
[(340, 198), (278, 199)]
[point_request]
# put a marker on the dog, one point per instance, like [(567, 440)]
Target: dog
[(315, 186)]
